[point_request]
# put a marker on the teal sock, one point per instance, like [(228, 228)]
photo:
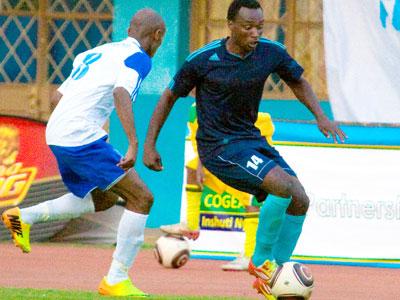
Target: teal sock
[(287, 240), (272, 214)]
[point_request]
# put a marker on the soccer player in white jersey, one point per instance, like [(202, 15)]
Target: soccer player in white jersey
[(95, 173)]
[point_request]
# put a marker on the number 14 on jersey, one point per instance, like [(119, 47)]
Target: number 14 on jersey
[(254, 162)]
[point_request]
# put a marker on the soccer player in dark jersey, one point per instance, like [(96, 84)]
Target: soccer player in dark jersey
[(229, 76)]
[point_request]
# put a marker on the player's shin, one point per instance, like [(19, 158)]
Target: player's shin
[(67, 206), (250, 225), (193, 194), (288, 237), (129, 239), (272, 214)]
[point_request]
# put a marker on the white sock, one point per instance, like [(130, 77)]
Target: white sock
[(67, 206), (129, 239)]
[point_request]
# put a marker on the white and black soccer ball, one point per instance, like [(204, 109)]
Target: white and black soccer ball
[(171, 251), (292, 279)]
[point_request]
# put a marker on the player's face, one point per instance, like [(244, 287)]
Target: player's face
[(157, 40), (247, 28)]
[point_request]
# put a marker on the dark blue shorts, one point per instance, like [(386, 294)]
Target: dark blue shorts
[(244, 164), (87, 167)]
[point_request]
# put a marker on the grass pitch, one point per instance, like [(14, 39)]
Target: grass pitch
[(18, 294)]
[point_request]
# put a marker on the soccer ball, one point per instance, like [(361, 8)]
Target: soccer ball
[(171, 251), (292, 280)]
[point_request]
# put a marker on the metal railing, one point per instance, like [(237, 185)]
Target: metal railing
[(38, 41)]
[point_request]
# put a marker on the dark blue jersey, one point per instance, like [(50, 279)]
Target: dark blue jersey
[(229, 88)]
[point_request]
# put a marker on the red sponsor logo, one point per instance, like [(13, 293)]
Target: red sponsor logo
[(15, 181)]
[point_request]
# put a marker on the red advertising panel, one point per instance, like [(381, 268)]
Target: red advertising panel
[(24, 158)]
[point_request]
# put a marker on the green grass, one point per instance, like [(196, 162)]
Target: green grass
[(18, 294)]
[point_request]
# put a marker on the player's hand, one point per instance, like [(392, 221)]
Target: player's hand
[(330, 129), (152, 159), (128, 161), (200, 175)]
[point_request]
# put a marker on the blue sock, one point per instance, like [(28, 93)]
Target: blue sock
[(287, 240), (272, 214)]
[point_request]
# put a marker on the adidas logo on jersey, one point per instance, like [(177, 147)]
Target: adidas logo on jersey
[(214, 57)]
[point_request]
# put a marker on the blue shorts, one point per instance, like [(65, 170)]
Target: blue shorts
[(87, 167), (244, 164)]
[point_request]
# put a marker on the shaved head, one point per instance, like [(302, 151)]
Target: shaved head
[(146, 21), (148, 28)]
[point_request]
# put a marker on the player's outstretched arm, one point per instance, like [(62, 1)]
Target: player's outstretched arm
[(303, 91), (151, 157)]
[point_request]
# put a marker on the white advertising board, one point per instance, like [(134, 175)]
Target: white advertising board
[(355, 201), (355, 204)]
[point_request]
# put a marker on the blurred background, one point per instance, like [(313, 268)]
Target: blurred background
[(39, 40)]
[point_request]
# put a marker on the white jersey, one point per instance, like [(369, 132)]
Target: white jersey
[(87, 100)]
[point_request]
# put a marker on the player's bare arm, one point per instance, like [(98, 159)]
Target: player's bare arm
[(151, 157), (123, 107), (55, 98), (303, 91)]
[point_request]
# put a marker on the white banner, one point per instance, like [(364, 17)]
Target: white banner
[(355, 205), (355, 201), (362, 50)]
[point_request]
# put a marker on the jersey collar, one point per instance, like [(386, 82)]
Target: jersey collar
[(237, 56), (136, 42), (133, 41)]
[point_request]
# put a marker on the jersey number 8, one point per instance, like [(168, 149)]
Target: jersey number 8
[(83, 68)]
